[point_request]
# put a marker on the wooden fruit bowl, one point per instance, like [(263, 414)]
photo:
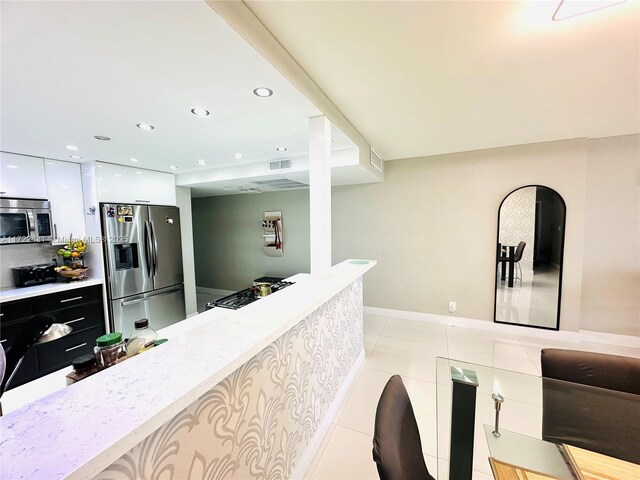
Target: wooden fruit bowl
[(77, 274)]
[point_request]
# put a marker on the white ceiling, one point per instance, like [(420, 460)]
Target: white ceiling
[(433, 77), (72, 70)]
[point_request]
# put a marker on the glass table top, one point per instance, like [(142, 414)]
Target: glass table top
[(520, 441)]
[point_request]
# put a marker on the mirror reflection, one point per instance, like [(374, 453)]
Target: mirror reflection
[(531, 223)]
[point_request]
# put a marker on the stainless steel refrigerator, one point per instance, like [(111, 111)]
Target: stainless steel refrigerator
[(143, 257)]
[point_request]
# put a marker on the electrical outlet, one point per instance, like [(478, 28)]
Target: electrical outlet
[(452, 307)]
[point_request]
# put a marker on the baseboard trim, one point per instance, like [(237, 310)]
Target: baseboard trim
[(564, 335), (213, 291), (306, 460), (610, 338)]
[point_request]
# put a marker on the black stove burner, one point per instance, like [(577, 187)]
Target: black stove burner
[(244, 297)]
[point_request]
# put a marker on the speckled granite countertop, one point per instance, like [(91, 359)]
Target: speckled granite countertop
[(80, 430)]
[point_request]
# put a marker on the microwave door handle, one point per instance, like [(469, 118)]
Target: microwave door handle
[(155, 249), (147, 248)]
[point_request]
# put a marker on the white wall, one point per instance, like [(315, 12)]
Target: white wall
[(183, 201), (432, 226), (611, 274)]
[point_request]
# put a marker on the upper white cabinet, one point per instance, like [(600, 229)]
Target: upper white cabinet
[(64, 188), (22, 176), (118, 184)]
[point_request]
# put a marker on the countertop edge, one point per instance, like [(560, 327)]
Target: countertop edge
[(20, 293), (270, 308)]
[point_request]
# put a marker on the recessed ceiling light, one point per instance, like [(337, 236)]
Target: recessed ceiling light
[(201, 162), (73, 148), (138, 171), (12, 166), (263, 92), (133, 160), (200, 112), (281, 149), (102, 137), (238, 156), (145, 126), (75, 157), (173, 167)]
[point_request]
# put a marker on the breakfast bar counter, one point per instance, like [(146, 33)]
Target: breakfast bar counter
[(238, 394)]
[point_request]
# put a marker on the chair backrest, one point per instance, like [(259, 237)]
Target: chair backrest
[(517, 256), (605, 419), (397, 449)]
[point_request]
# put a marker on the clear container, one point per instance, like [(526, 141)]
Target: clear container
[(109, 348), (142, 337)]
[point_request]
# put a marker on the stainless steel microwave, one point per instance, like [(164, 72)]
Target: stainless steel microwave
[(25, 221)]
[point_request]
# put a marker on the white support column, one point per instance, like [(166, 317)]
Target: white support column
[(320, 194)]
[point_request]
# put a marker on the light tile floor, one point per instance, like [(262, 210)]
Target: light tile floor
[(410, 348)]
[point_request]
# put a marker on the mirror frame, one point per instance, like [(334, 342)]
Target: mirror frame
[(495, 275)]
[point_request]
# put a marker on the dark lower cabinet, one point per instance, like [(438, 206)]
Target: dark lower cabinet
[(80, 308)]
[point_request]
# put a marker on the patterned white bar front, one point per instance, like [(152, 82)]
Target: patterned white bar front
[(259, 420)]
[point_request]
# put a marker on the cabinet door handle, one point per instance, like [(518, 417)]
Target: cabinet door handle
[(74, 321), (77, 346), (71, 299), (55, 231), (3, 193), (143, 201)]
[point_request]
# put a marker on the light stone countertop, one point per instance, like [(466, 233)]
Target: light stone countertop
[(80, 430), (18, 293)]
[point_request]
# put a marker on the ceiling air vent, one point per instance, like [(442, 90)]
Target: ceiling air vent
[(279, 184), (376, 160), (279, 165)]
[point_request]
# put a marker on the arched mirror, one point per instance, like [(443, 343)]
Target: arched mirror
[(529, 255)]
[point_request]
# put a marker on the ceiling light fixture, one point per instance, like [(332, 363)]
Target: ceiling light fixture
[(263, 92), (73, 148), (173, 167), (573, 8), (138, 171), (201, 162), (200, 112), (238, 156), (134, 160), (75, 157), (281, 149), (102, 137), (145, 126), (12, 166)]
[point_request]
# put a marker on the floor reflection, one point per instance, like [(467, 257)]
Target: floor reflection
[(534, 302)]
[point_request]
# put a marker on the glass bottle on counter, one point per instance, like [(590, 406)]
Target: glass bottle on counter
[(141, 337), (109, 348), (83, 367)]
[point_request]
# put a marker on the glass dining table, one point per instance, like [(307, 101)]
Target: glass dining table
[(519, 439)]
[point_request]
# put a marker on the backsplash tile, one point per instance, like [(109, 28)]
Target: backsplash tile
[(21, 255)]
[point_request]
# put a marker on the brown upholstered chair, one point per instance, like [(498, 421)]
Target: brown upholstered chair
[(397, 449), (592, 400)]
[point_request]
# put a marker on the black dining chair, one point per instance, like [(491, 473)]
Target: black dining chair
[(397, 449), (517, 256)]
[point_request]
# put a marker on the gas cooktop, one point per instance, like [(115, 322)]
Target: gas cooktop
[(244, 297)]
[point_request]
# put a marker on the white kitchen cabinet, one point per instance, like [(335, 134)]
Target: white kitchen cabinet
[(64, 191), (22, 176), (119, 184)]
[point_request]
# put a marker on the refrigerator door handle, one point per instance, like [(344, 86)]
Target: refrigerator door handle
[(147, 248), (125, 303), (155, 248)]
